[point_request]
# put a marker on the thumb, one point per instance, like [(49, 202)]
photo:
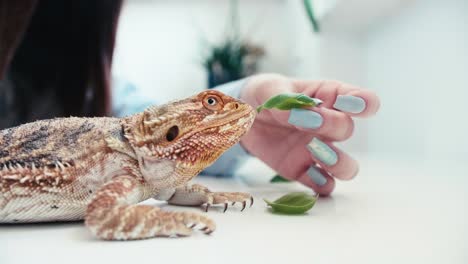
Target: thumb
[(260, 88), (263, 87)]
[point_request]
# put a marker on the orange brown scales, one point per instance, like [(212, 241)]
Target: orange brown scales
[(98, 169)]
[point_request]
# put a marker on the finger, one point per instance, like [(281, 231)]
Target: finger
[(336, 162), (299, 165), (264, 87), (317, 179), (344, 97), (329, 124)]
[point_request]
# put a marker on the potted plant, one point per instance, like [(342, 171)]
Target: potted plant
[(235, 58)]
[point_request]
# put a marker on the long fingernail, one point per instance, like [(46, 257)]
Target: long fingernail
[(322, 152), (316, 176), (305, 118), (350, 104)]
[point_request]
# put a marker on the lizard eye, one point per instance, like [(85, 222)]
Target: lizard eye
[(172, 133), (213, 102)]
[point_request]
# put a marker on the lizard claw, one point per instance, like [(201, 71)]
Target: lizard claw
[(206, 230), (227, 198), (183, 223), (244, 203)]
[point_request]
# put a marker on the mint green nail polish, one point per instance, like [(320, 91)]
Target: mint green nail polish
[(316, 176), (305, 118), (322, 152), (350, 104)]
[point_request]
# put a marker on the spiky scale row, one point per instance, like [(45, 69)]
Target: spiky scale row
[(54, 174)]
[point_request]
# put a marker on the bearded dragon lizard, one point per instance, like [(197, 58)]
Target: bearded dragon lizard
[(98, 169)]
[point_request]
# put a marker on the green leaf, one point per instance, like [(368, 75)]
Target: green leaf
[(293, 203), (310, 14), (278, 178), (288, 101)]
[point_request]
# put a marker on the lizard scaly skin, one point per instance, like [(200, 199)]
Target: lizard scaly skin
[(99, 169)]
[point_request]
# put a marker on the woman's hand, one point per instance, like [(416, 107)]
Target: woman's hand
[(294, 142)]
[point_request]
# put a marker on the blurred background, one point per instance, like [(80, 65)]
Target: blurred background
[(413, 53)]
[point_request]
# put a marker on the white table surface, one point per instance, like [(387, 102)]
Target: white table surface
[(394, 212)]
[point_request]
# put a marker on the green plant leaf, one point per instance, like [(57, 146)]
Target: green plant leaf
[(278, 178), (288, 101), (310, 14), (293, 203)]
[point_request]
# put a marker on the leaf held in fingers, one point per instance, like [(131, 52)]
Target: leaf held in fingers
[(293, 203), (278, 178), (288, 101)]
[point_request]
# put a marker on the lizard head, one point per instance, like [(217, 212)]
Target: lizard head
[(175, 141)]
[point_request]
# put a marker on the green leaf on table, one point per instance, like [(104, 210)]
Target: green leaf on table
[(293, 203), (288, 101), (278, 178)]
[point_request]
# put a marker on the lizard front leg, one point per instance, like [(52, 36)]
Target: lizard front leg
[(197, 194), (114, 215)]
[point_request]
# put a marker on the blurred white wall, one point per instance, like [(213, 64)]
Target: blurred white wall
[(342, 57), (160, 43), (417, 61), (414, 54)]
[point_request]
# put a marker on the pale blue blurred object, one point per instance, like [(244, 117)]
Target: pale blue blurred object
[(127, 100)]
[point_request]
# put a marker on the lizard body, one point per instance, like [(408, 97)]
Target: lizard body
[(98, 169)]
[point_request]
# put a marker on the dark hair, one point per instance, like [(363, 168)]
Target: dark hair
[(61, 50)]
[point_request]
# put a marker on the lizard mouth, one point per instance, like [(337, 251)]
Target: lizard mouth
[(244, 119)]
